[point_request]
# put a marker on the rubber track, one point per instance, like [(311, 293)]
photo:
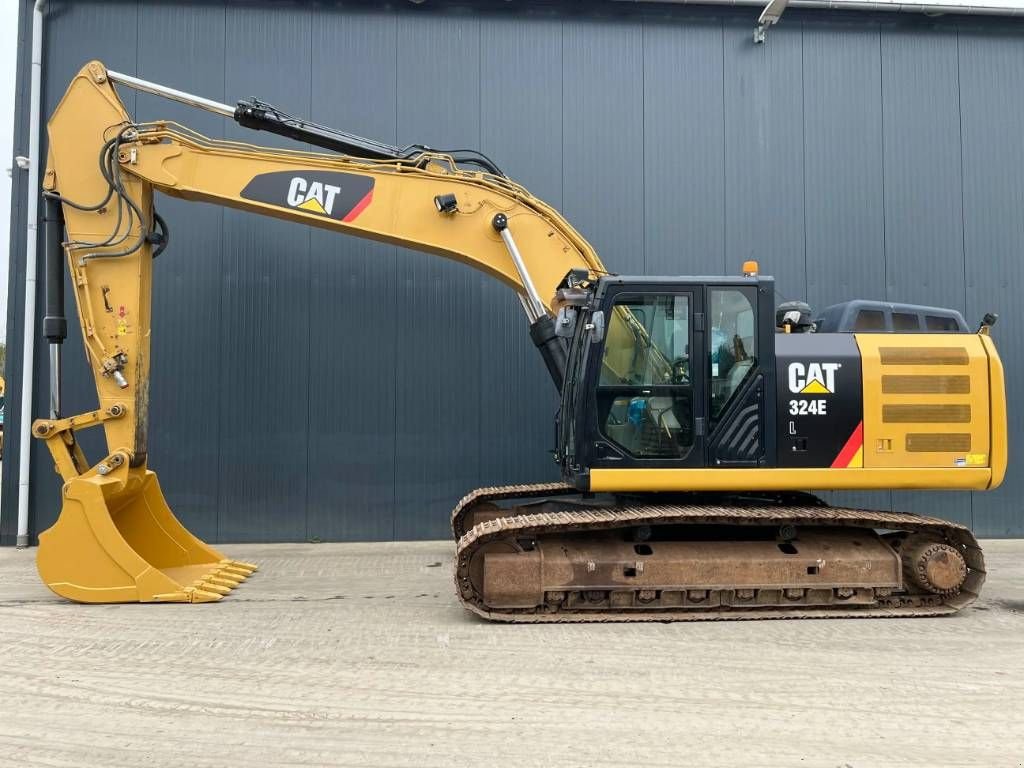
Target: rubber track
[(539, 524)]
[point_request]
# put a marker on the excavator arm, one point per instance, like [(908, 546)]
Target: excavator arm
[(116, 538)]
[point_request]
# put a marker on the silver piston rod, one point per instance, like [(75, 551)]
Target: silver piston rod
[(55, 326), (171, 93), (542, 325), (531, 302)]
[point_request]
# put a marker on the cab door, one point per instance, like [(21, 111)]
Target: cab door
[(648, 400), (740, 361)]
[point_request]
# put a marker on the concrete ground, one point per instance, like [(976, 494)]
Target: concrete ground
[(359, 655)]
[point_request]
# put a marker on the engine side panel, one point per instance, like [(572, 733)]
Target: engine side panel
[(926, 400)]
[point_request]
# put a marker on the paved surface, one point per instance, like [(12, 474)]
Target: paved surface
[(359, 655)]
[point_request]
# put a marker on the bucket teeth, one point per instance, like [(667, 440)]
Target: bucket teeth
[(204, 596), (208, 586), (189, 595), (226, 579), (174, 597), (238, 565)]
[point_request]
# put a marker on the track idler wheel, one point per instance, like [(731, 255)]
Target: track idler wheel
[(934, 566)]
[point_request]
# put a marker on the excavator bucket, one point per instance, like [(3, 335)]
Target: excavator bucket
[(117, 541)]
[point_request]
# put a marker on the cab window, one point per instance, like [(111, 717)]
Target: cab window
[(904, 322), (941, 324), (733, 344), (645, 394), (870, 321)]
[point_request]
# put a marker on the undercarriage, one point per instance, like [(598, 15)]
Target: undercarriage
[(547, 553)]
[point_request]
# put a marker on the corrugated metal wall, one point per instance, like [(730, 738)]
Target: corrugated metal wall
[(312, 386)]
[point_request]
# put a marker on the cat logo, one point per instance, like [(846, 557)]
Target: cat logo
[(813, 378), (315, 197), (329, 194)]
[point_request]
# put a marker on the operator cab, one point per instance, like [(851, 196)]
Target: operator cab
[(706, 372), (669, 372)]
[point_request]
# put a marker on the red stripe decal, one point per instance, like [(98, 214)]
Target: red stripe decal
[(360, 206), (850, 449)]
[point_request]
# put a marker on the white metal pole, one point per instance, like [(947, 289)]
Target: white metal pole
[(31, 238)]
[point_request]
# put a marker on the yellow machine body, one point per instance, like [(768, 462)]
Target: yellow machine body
[(117, 540), (934, 418)]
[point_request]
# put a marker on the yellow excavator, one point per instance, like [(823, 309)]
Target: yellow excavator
[(695, 414)]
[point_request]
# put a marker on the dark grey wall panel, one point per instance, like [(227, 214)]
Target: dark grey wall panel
[(764, 158), (843, 164), (602, 137), (992, 108), (265, 284), (307, 385), (923, 201), (684, 147), (439, 308), (353, 337)]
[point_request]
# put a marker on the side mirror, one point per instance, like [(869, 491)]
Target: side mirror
[(596, 327)]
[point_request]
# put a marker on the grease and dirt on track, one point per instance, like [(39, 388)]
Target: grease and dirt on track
[(360, 655)]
